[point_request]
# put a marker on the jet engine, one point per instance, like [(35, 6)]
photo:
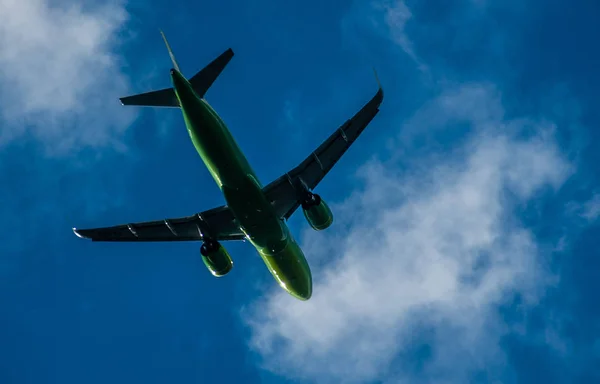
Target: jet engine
[(216, 258), (317, 212)]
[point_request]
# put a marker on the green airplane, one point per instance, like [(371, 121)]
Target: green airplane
[(252, 212)]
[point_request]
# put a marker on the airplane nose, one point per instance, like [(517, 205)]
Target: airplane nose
[(305, 293), (290, 268), (300, 287)]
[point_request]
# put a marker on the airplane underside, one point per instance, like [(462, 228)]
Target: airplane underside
[(252, 212)]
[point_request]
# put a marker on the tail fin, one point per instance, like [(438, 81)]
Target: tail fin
[(170, 52), (201, 82)]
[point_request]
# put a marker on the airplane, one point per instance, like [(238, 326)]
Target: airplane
[(252, 212)]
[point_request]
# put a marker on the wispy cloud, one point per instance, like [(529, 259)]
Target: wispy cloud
[(591, 208), (60, 78), (579, 214), (388, 18), (396, 15)]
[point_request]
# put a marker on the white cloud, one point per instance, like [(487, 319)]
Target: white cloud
[(580, 215), (396, 15), (418, 258), (60, 78)]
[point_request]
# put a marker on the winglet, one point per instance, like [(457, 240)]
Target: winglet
[(170, 52), (377, 78), (379, 95)]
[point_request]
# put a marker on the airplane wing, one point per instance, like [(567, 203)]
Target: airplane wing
[(218, 224), (284, 193)]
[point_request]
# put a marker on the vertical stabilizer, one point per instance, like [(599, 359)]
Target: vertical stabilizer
[(170, 52)]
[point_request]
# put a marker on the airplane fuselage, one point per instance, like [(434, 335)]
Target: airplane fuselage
[(243, 192)]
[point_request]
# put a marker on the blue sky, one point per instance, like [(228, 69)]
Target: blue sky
[(464, 245)]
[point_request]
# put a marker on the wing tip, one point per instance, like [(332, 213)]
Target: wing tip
[(76, 232)]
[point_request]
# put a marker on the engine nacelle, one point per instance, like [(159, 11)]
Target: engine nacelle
[(317, 212), (216, 258)]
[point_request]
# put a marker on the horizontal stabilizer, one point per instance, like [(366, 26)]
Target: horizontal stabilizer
[(163, 98), (201, 82)]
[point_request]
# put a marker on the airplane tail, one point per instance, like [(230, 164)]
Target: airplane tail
[(201, 82)]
